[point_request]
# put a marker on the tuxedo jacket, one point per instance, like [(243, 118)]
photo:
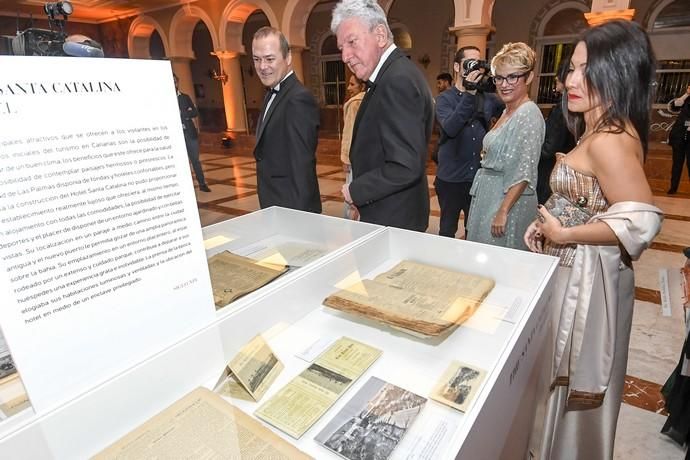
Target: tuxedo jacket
[(285, 149), (677, 136), (188, 112), (389, 147)]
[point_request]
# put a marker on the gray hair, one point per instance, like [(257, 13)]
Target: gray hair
[(368, 11)]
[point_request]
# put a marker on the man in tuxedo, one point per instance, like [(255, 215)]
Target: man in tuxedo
[(393, 125), (188, 112), (287, 129)]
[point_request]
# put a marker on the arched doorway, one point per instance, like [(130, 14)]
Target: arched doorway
[(146, 39), (554, 42), (207, 90)]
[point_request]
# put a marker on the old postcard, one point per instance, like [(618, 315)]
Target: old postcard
[(202, 425), (458, 385), (233, 276), (299, 404), (373, 422), (417, 298), (255, 367)]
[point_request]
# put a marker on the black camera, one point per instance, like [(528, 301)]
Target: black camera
[(470, 65), (485, 82)]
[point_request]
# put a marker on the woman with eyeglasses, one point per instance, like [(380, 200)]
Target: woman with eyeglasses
[(503, 192), (598, 220)]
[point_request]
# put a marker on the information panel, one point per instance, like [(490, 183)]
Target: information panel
[(101, 255)]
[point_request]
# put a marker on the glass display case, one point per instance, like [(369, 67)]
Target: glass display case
[(283, 236), (503, 338)]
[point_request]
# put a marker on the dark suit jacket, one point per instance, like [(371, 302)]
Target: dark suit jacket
[(285, 150), (389, 147), (678, 134), (558, 139), (188, 112)]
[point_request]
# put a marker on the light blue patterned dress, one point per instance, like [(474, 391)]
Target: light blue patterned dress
[(511, 156)]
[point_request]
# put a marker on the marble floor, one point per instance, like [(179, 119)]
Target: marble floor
[(656, 339)]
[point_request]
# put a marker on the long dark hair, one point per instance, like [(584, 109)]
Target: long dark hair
[(621, 71)]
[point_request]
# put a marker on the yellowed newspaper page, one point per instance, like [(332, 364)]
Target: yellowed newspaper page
[(436, 281), (416, 298), (290, 253), (298, 405), (202, 426), (233, 276), (256, 367)]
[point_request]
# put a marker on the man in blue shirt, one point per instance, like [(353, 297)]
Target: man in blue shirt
[(464, 117)]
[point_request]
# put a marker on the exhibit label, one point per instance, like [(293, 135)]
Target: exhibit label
[(101, 255)]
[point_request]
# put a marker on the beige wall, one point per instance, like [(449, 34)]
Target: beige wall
[(428, 28)]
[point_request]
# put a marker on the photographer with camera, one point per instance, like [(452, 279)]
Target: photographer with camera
[(464, 113)]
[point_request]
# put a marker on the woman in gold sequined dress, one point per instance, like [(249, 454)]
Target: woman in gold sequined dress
[(606, 219)]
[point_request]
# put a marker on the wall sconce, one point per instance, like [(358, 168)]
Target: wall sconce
[(221, 77), (425, 60)]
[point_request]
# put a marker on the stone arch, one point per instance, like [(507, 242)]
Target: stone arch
[(386, 5), (541, 19), (653, 13), (401, 35), (182, 29), (296, 14), (139, 37), (235, 16), (473, 12), (316, 43)]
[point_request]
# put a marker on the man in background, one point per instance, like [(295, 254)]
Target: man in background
[(188, 112), (679, 138), (443, 82), (464, 116), (287, 129), (557, 138), (393, 125)]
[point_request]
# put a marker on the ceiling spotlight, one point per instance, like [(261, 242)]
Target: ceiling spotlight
[(63, 8)]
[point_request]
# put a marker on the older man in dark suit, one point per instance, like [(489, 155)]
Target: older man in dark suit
[(287, 129), (393, 125)]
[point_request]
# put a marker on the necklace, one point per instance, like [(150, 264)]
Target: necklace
[(584, 136)]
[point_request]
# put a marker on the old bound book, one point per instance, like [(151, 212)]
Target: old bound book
[(233, 276), (416, 298)]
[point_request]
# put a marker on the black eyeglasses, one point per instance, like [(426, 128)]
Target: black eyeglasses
[(510, 79)]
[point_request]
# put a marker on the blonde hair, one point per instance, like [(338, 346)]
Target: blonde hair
[(517, 55)]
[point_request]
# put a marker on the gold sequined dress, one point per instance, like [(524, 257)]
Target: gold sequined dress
[(578, 188)]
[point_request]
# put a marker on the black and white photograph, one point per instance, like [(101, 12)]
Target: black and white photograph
[(255, 367), (6, 363), (326, 378), (373, 422), (458, 385)]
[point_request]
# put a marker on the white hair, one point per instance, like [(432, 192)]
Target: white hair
[(368, 11)]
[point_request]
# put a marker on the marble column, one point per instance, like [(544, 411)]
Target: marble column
[(233, 92), (474, 35), (297, 64)]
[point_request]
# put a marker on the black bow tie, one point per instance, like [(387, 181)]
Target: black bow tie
[(369, 84), (272, 90)]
